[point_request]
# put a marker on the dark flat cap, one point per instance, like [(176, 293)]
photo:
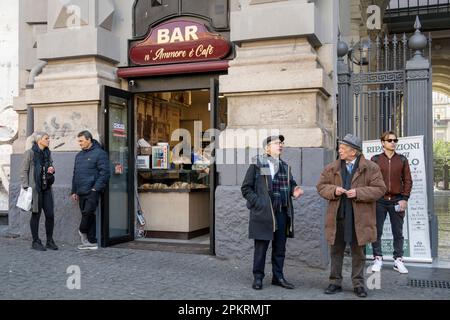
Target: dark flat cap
[(352, 141), (272, 138)]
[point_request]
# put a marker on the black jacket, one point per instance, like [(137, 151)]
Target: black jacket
[(256, 190), (91, 170)]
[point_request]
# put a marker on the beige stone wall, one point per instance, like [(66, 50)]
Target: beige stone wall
[(19, 144), (71, 80), (66, 99), (282, 85), (64, 121), (350, 20), (81, 58), (353, 18)]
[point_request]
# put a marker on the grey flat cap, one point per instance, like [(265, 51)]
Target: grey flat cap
[(352, 141)]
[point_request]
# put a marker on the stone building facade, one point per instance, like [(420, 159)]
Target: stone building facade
[(282, 77)]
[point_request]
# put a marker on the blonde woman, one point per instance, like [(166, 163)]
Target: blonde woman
[(38, 173)]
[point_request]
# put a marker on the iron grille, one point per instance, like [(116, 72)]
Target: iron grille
[(418, 283)]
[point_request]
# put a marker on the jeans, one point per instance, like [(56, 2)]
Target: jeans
[(383, 207)]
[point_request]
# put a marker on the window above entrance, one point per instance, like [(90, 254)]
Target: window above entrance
[(147, 13)]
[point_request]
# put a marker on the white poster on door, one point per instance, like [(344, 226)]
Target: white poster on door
[(416, 228)]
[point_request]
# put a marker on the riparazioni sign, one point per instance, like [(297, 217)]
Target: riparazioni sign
[(179, 41)]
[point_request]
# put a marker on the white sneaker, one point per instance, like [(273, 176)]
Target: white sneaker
[(377, 264), (88, 246), (83, 237), (399, 266)]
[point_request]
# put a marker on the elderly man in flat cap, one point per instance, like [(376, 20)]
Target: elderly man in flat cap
[(352, 185), (268, 187)]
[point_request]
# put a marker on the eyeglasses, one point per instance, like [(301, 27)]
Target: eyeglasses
[(277, 143), (391, 140)]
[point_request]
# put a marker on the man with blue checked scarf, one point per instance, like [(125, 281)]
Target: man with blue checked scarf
[(268, 188)]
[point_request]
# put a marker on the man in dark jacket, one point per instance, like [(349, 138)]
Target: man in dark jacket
[(268, 187), (397, 177), (90, 177)]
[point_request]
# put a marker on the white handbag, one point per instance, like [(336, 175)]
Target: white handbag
[(25, 199)]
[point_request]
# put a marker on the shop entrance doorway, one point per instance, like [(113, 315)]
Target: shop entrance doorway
[(117, 222), (170, 196)]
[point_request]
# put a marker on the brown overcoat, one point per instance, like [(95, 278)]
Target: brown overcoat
[(369, 186)]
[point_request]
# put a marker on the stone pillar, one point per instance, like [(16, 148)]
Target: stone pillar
[(81, 52), (279, 82), (419, 116), (70, 85)]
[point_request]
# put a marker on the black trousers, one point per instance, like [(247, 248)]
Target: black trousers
[(45, 203), (278, 249), (337, 258), (88, 206), (396, 224)]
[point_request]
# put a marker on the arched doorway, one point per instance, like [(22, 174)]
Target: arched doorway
[(441, 153)]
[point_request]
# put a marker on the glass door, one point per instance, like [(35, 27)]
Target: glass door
[(118, 202)]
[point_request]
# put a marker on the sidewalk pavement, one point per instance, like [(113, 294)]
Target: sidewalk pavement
[(115, 273)]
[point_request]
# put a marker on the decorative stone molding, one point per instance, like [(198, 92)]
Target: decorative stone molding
[(106, 12), (84, 26), (417, 75)]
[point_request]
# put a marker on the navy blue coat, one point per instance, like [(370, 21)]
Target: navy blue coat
[(91, 170), (256, 189)]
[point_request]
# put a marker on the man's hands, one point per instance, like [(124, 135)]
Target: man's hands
[(403, 205), (51, 170), (298, 192), (351, 194), (75, 197), (339, 191)]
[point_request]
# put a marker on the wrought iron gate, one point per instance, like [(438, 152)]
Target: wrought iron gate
[(372, 85), (385, 84)]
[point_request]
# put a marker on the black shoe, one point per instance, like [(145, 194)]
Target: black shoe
[(360, 292), (37, 245), (282, 283), (257, 284), (51, 245), (332, 289)]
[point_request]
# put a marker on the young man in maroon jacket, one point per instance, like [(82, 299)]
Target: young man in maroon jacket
[(397, 177)]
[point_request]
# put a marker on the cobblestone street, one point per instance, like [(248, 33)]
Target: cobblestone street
[(140, 274)]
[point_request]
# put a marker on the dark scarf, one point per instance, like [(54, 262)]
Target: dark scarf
[(346, 208), (280, 185), (41, 164)]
